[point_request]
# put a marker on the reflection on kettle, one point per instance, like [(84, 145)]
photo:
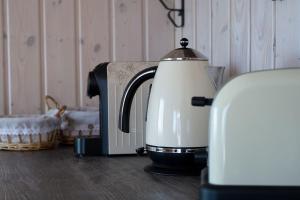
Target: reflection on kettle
[(175, 131)]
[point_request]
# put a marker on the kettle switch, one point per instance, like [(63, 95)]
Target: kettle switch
[(201, 101)]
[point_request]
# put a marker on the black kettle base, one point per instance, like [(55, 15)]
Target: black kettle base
[(181, 164), (169, 171)]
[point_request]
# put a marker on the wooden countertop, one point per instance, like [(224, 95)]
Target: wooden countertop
[(57, 174)]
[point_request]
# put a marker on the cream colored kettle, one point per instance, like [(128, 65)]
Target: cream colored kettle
[(175, 129)]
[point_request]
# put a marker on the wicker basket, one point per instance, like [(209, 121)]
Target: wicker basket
[(28, 142), (28, 132), (76, 121)]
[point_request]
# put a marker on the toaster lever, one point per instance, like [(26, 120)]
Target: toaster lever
[(201, 101)]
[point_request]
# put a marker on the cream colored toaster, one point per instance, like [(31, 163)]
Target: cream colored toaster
[(254, 138)]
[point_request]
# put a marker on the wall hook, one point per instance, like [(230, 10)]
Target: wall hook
[(180, 13)]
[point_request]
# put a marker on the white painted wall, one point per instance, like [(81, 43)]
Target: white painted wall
[(48, 46), (244, 35)]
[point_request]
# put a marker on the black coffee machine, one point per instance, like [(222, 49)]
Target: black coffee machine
[(100, 79), (97, 85)]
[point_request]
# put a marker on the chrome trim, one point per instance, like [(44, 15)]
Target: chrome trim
[(183, 59), (184, 54), (174, 150)]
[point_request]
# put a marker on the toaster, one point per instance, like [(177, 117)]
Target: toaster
[(254, 138), (107, 82)]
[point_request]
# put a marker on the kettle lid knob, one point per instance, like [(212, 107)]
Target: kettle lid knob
[(184, 53), (184, 42)]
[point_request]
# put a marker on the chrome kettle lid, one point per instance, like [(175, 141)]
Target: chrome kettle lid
[(184, 53)]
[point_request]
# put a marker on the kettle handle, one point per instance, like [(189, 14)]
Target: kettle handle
[(129, 92)]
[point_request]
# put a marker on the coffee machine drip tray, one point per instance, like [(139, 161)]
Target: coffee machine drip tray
[(176, 161)]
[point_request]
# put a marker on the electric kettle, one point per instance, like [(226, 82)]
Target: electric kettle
[(176, 131)]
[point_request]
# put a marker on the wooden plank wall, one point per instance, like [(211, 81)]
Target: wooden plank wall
[(24, 59), (94, 41), (244, 35), (60, 58), (287, 34), (49, 46), (2, 37)]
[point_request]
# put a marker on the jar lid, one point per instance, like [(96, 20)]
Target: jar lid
[(184, 53)]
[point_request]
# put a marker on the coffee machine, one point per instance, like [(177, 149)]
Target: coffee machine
[(107, 81)]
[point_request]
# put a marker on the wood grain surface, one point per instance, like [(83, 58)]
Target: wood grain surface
[(262, 34), (287, 34), (127, 29), (57, 175), (220, 35), (94, 41), (24, 57), (2, 99), (48, 46), (240, 37), (60, 59)]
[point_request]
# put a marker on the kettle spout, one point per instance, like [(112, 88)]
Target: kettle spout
[(126, 101)]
